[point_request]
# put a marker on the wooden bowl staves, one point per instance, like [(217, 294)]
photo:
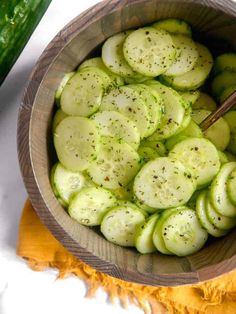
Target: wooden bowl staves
[(215, 24)]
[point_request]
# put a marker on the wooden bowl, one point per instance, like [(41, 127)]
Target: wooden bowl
[(213, 20)]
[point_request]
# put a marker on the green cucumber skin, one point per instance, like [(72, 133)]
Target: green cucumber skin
[(17, 23)]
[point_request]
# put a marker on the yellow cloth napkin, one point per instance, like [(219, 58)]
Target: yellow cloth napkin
[(42, 250)]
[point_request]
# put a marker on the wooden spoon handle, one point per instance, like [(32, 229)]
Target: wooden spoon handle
[(214, 116)]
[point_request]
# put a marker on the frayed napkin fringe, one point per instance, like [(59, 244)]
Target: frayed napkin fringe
[(152, 300)]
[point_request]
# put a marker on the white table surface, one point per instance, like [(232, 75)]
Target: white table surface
[(21, 289)]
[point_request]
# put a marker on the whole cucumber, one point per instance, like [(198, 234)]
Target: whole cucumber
[(18, 19)]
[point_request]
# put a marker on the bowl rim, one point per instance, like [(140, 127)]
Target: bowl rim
[(82, 21)]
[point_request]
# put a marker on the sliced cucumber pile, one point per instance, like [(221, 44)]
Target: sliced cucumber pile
[(223, 81), (218, 133), (116, 164), (115, 125), (201, 211), (197, 76), (132, 157), (183, 233), (76, 141), (173, 111), (61, 86), (174, 26), (200, 156), (58, 117), (204, 101), (82, 94), (117, 80), (230, 118), (187, 55), (128, 102), (66, 182), (164, 183), (157, 237), (190, 97), (143, 239), (90, 205), (149, 51), (219, 193), (224, 76), (120, 223)]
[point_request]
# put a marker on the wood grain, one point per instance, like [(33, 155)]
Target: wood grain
[(212, 19)]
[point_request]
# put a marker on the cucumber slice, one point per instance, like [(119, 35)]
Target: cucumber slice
[(117, 126), (107, 81), (192, 130), (52, 180), (197, 76), (193, 200), (131, 204), (190, 97), (231, 187), (157, 233), (97, 62), (182, 233), (61, 86), (58, 117), (143, 239), (175, 26), (226, 93), (218, 220), (225, 62), (218, 133), (83, 93), (128, 102), (147, 209), (173, 114), (186, 120), (113, 57), (223, 158), (153, 102), (67, 183), (204, 102), (230, 118), (88, 181), (63, 204), (172, 141), (136, 80), (222, 81), (146, 154), (198, 115), (218, 191), (94, 62), (164, 183), (202, 216), (230, 156), (157, 145), (116, 165), (200, 156), (76, 142), (90, 205), (149, 51), (124, 192), (186, 55), (120, 223)]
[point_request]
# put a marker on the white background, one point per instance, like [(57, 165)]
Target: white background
[(22, 290)]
